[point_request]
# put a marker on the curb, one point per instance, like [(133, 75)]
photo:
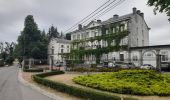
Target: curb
[(48, 94)]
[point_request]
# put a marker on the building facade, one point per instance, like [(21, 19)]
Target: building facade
[(110, 40), (56, 48)]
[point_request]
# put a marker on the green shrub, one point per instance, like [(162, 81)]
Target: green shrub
[(1, 63), (129, 98), (33, 70), (42, 75), (93, 65), (137, 82), (94, 69), (83, 93)]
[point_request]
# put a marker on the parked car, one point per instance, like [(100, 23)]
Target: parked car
[(147, 66), (111, 65), (124, 65)]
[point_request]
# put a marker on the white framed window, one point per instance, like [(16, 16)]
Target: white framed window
[(62, 46), (107, 31), (114, 31), (125, 27), (74, 37), (165, 56), (78, 36), (135, 58)]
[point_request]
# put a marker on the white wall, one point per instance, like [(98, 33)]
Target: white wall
[(138, 31)]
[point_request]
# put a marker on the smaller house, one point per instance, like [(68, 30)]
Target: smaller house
[(57, 47)]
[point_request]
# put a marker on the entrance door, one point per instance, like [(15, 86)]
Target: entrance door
[(121, 57)]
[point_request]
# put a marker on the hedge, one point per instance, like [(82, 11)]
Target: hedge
[(33, 70), (79, 92)]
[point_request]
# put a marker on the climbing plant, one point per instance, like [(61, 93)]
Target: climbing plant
[(116, 36)]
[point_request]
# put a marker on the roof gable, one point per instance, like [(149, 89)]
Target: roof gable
[(93, 24)]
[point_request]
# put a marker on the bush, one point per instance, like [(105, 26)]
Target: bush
[(93, 65), (83, 93), (42, 75), (137, 82), (95, 69), (33, 70), (129, 98), (1, 63)]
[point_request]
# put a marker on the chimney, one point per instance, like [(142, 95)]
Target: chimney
[(138, 11), (115, 16), (79, 27), (99, 21), (142, 15), (134, 10)]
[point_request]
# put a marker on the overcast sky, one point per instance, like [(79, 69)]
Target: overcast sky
[(65, 13)]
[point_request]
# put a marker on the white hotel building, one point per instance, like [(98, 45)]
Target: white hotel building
[(118, 39)]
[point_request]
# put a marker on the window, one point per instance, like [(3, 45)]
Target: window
[(74, 37), (95, 34), (143, 42), (149, 54), (135, 58), (125, 26), (121, 57), (52, 51), (107, 32), (122, 28), (78, 36), (142, 34), (164, 56), (62, 46), (117, 29), (62, 50), (87, 35), (114, 30)]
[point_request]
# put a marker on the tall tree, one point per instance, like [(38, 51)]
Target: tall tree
[(53, 32), (29, 40), (161, 6)]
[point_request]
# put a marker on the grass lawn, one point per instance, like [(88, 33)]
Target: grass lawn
[(138, 82)]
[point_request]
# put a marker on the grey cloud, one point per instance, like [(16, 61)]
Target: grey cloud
[(65, 13)]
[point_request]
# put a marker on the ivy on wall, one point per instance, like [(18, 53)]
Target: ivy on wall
[(78, 53)]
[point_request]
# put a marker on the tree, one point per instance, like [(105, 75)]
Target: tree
[(7, 52), (161, 6), (29, 38), (32, 43), (53, 33)]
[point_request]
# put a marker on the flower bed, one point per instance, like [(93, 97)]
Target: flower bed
[(138, 82), (84, 93)]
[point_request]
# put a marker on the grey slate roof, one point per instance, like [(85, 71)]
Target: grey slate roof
[(111, 20), (120, 18), (61, 40)]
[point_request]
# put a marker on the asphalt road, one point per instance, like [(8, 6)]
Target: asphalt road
[(12, 89)]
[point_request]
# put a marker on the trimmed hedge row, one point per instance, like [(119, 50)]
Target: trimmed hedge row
[(33, 70), (79, 92)]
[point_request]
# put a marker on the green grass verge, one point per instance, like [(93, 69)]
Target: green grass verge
[(79, 92)]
